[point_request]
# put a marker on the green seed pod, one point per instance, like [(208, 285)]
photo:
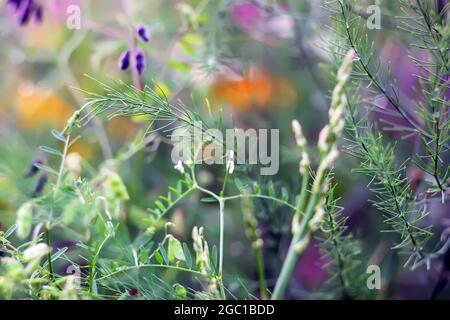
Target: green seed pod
[(23, 220), (180, 292)]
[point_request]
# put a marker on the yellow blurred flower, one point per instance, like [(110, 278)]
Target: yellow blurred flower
[(38, 106)]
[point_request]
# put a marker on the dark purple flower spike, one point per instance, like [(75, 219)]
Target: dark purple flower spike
[(33, 168), (27, 9), (15, 3), (140, 64), (124, 61), (26, 13), (143, 33), (38, 14), (40, 185)]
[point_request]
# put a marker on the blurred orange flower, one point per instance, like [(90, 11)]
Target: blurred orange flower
[(82, 148), (122, 128), (37, 106), (256, 89)]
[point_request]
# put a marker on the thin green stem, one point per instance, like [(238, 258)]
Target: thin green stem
[(93, 263), (303, 193), (293, 252), (238, 196), (61, 167), (49, 255), (221, 217), (261, 275)]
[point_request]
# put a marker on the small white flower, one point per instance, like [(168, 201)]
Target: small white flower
[(179, 167), (323, 137), (230, 162), (298, 134), (304, 163)]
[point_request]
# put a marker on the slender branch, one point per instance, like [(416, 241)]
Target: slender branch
[(374, 80)]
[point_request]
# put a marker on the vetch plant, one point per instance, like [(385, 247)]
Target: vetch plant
[(189, 200)]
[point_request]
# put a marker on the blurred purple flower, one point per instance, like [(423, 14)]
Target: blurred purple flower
[(441, 7), (405, 72), (446, 81), (38, 14), (124, 61), (27, 9), (133, 292), (140, 64), (143, 33), (40, 185), (247, 15), (15, 3), (33, 168), (264, 24)]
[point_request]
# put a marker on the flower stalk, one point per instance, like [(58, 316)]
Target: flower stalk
[(327, 145)]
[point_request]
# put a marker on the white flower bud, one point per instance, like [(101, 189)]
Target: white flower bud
[(302, 245), (230, 162), (346, 67), (318, 215), (304, 163), (298, 134), (179, 167), (323, 138), (326, 164)]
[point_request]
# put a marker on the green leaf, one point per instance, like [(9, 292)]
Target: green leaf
[(176, 191), (50, 151), (143, 256), (175, 250), (10, 231), (214, 256), (71, 191), (46, 169), (160, 205), (193, 38), (285, 194), (164, 254), (59, 136), (257, 188), (187, 255), (159, 258), (270, 191), (179, 66), (208, 199), (188, 48), (59, 253), (239, 184)]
